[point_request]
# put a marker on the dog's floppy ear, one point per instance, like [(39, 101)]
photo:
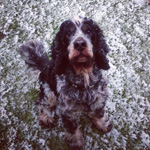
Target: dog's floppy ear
[(101, 49), (59, 51), (56, 45), (59, 43)]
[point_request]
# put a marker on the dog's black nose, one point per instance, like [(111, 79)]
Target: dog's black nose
[(80, 44)]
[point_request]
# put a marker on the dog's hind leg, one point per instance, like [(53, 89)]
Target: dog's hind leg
[(73, 134)]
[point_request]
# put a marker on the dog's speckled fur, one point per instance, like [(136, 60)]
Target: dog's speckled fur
[(72, 81)]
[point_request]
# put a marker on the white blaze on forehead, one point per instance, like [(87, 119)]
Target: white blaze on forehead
[(77, 20)]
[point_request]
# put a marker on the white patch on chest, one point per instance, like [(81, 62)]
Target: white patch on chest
[(86, 74)]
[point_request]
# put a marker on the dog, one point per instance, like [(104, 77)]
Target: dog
[(72, 80)]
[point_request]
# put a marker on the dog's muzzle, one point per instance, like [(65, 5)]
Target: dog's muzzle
[(80, 51)]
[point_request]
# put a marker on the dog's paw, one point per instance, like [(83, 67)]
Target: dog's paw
[(103, 124), (74, 141), (46, 120)]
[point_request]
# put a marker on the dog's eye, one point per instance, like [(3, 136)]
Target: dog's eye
[(88, 32), (68, 34)]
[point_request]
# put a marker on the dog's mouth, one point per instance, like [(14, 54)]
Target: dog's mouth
[(82, 58), (82, 61)]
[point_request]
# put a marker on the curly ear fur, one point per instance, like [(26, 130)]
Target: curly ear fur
[(101, 51), (59, 52), (100, 47), (101, 60)]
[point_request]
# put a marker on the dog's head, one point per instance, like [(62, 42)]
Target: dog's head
[(80, 42)]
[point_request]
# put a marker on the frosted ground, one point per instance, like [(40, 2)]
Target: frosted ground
[(126, 26)]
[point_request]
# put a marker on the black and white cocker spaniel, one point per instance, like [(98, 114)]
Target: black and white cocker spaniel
[(71, 82)]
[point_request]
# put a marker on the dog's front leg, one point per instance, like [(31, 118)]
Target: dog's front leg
[(46, 103), (73, 134), (101, 120), (45, 118)]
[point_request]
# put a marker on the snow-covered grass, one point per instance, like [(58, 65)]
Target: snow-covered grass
[(126, 26)]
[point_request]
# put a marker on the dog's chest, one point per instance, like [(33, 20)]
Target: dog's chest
[(72, 87)]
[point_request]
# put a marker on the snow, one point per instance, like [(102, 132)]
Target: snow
[(126, 28)]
